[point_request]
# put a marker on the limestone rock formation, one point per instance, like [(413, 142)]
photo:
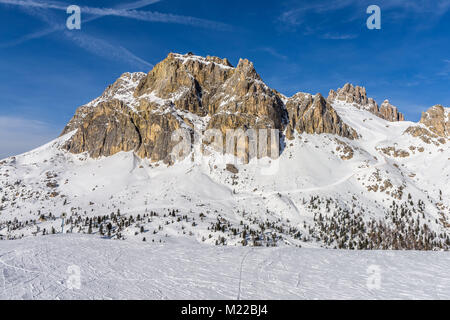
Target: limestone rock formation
[(437, 119), (314, 114), (390, 112), (245, 101), (120, 90), (358, 97), (189, 82), (140, 112), (435, 126), (351, 94)]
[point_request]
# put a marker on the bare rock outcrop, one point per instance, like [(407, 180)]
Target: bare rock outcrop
[(437, 119), (189, 81), (140, 112), (357, 96), (435, 126), (390, 112), (314, 114), (245, 101)]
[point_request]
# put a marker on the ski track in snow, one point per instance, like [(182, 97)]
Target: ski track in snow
[(36, 268)]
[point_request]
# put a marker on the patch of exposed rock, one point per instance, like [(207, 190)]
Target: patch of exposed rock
[(314, 114), (435, 126), (357, 96), (390, 112), (139, 112), (437, 119)]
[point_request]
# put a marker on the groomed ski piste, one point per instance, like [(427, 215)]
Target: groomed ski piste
[(86, 267)]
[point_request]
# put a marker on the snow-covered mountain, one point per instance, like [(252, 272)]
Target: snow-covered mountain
[(349, 174)]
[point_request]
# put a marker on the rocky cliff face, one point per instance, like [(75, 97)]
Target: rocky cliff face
[(437, 119), (139, 112), (314, 114), (117, 122), (358, 97), (435, 126), (390, 112), (351, 94)]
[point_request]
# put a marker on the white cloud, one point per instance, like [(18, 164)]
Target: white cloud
[(156, 17), (295, 16), (334, 36), (94, 45), (273, 52), (19, 135), (126, 11), (445, 72), (62, 27), (106, 50)]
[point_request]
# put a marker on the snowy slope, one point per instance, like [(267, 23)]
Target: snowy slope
[(48, 268), (324, 190)]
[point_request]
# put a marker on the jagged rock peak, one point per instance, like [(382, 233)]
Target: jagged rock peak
[(437, 119), (247, 68), (139, 112), (434, 126), (314, 114), (351, 94), (390, 112), (357, 96), (121, 90), (123, 87), (206, 60)]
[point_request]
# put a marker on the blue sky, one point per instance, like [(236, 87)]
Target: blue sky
[(47, 71)]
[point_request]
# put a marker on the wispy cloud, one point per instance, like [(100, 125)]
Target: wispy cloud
[(445, 72), (104, 49), (334, 36), (297, 15), (151, 16), (60, 27), (91, 44), (435, 8), (273, 52), (42, 10), (129, 12), (63, 6), (136, 5), (18, 135)]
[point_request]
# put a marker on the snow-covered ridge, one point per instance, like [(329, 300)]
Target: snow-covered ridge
[(190, 57), (123, 90)]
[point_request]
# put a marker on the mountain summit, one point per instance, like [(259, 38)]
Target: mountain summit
[(140, 112), (342, 172), (358, 96)]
